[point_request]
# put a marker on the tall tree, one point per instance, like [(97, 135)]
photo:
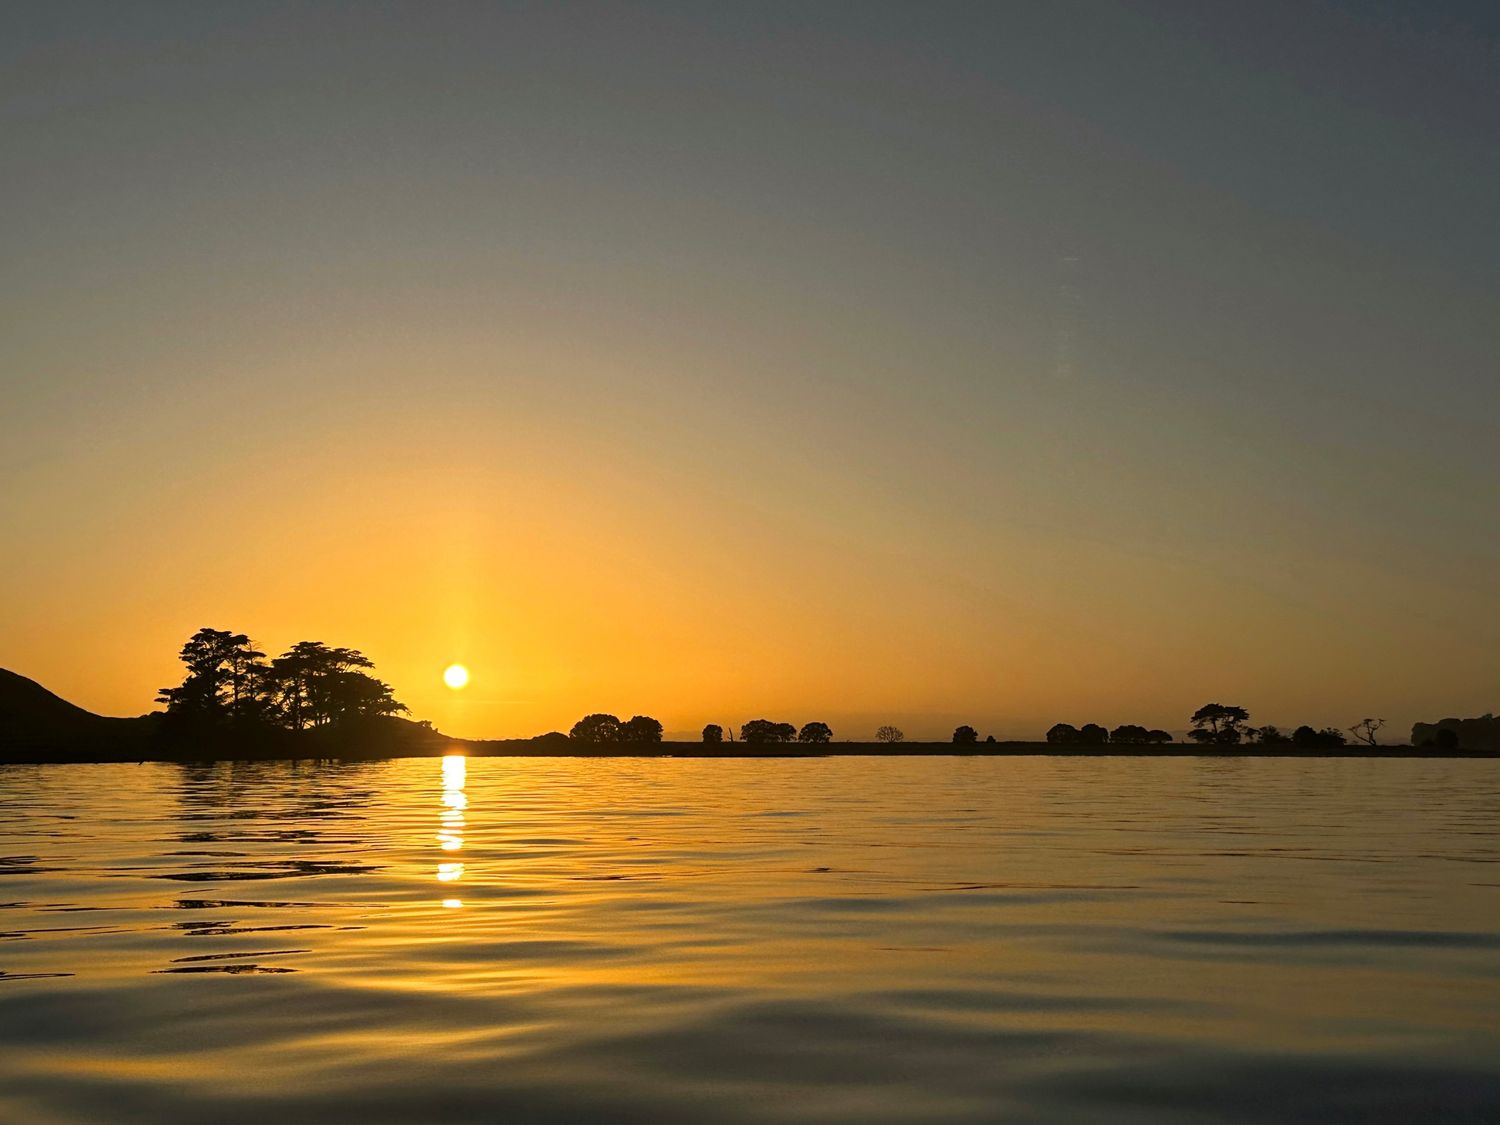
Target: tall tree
[(316, 685), (225, 679), (1218, 723)]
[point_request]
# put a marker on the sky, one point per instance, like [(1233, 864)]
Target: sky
[(910, 363)]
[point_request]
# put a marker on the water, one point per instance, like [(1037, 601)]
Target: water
[(863, 939)]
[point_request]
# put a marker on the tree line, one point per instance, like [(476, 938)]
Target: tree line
[(1219, 724), (761, 731), (230, 682), (1214, 724)]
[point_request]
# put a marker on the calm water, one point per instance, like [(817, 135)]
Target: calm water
[(1023, 939)]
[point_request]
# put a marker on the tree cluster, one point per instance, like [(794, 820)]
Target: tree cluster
[(1217, 724), (607, 728), (1092, 734), (760, 731), (968, 736), (1480, 733), (1303, 738), (230, 682)]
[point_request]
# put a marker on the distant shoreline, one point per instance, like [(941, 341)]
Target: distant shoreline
[(437, 746), (40, 728)]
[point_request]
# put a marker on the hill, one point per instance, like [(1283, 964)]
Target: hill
[(39, 726), (34, 721)]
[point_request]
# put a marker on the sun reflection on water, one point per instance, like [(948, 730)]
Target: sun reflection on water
[(450, 835)]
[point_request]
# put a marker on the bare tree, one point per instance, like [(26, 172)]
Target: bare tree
[(1364, 730), (889, 734)]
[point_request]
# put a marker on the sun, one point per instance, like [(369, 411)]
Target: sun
[(455, 676)]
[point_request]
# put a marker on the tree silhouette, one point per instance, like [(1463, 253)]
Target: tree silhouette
[(815, 732), (1093, 734), (309, 685), (1446, 739), (890, 734), (713, 733), (640, 728), (763, 730), (1272, 736), (965, 735), (225, 679), (596, 728), (1062, 734), (1479, 733), (1364, 730), (355, 695), (1129, 734), (313, 685), (1305, 738), (1218, 724), (1158, 737)]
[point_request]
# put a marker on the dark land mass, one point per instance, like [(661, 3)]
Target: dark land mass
[(37, 726)]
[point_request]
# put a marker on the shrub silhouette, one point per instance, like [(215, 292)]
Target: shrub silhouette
[(965, 736), (1304, 737)]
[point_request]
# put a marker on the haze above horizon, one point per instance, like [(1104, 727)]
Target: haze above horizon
[(892, 363)]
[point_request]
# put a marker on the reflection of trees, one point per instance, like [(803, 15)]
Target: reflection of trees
[(273, 801)]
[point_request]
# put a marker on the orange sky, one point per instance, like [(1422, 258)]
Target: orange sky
[(853, 367)]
